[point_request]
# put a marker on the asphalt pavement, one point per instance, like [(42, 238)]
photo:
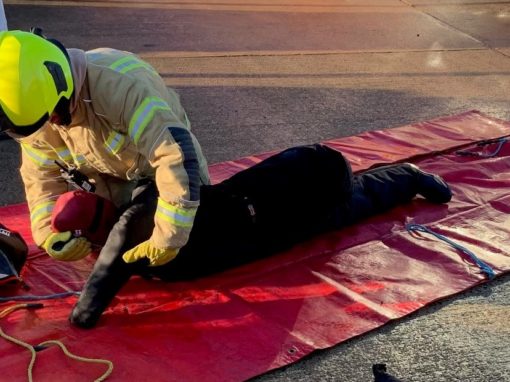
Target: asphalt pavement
[(265, 75)]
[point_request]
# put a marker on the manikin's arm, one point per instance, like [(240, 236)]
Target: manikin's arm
[(110, 272)]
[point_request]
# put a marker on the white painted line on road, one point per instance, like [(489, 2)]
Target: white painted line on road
[(257, 53)]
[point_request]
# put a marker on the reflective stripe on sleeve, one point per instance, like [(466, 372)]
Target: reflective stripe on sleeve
[(67, 156), (79, 159), (64, 153), (114, 142), (41, 210), (178, 216), (144, 114), (129, 63), (39, 158)]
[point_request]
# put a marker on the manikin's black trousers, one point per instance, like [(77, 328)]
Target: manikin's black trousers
[(279, 202)]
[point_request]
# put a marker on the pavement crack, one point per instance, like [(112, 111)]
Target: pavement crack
[(456, 29)]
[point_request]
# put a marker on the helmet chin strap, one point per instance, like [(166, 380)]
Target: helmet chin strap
[(63, 111)]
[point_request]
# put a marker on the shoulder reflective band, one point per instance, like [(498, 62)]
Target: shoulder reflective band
[(41, 210), (38, 157), (129, 63), (114, 142), (144, 114), (182, 217)]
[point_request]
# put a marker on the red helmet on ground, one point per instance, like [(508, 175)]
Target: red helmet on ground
[(86, 214)]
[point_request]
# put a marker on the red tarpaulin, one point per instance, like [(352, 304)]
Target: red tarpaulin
[(265, 315)]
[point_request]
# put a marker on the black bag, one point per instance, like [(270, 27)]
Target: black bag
[(13, 254)]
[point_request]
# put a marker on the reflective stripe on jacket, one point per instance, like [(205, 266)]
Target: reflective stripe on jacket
[(126, 125)]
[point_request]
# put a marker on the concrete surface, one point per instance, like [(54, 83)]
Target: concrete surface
[(488, 23), (263, 75)]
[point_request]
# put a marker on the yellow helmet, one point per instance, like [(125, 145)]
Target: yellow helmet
[(35, 74)]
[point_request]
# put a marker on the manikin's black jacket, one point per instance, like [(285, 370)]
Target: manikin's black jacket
[(269, 207)]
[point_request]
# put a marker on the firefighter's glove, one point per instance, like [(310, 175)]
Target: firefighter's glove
[(64, 246), (156, 256)]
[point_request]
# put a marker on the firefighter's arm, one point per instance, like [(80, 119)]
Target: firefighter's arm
[(164, 140), (43, 185)]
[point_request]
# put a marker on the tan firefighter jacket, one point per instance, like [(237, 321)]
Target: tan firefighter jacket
[(126, 125)]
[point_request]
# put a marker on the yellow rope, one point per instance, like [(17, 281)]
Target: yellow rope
[(82, 359), (32, 350)]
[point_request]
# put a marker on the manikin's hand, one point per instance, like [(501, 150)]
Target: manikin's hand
[(156, 256), (63, 246)]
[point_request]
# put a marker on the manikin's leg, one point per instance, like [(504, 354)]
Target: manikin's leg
[(378, 190), (295, 192)]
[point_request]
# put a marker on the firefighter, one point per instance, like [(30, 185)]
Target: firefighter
[(108, 114)]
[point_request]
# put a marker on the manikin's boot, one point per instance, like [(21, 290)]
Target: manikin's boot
[(431, 186)]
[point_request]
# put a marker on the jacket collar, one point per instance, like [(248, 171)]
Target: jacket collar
[(79, 71)]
